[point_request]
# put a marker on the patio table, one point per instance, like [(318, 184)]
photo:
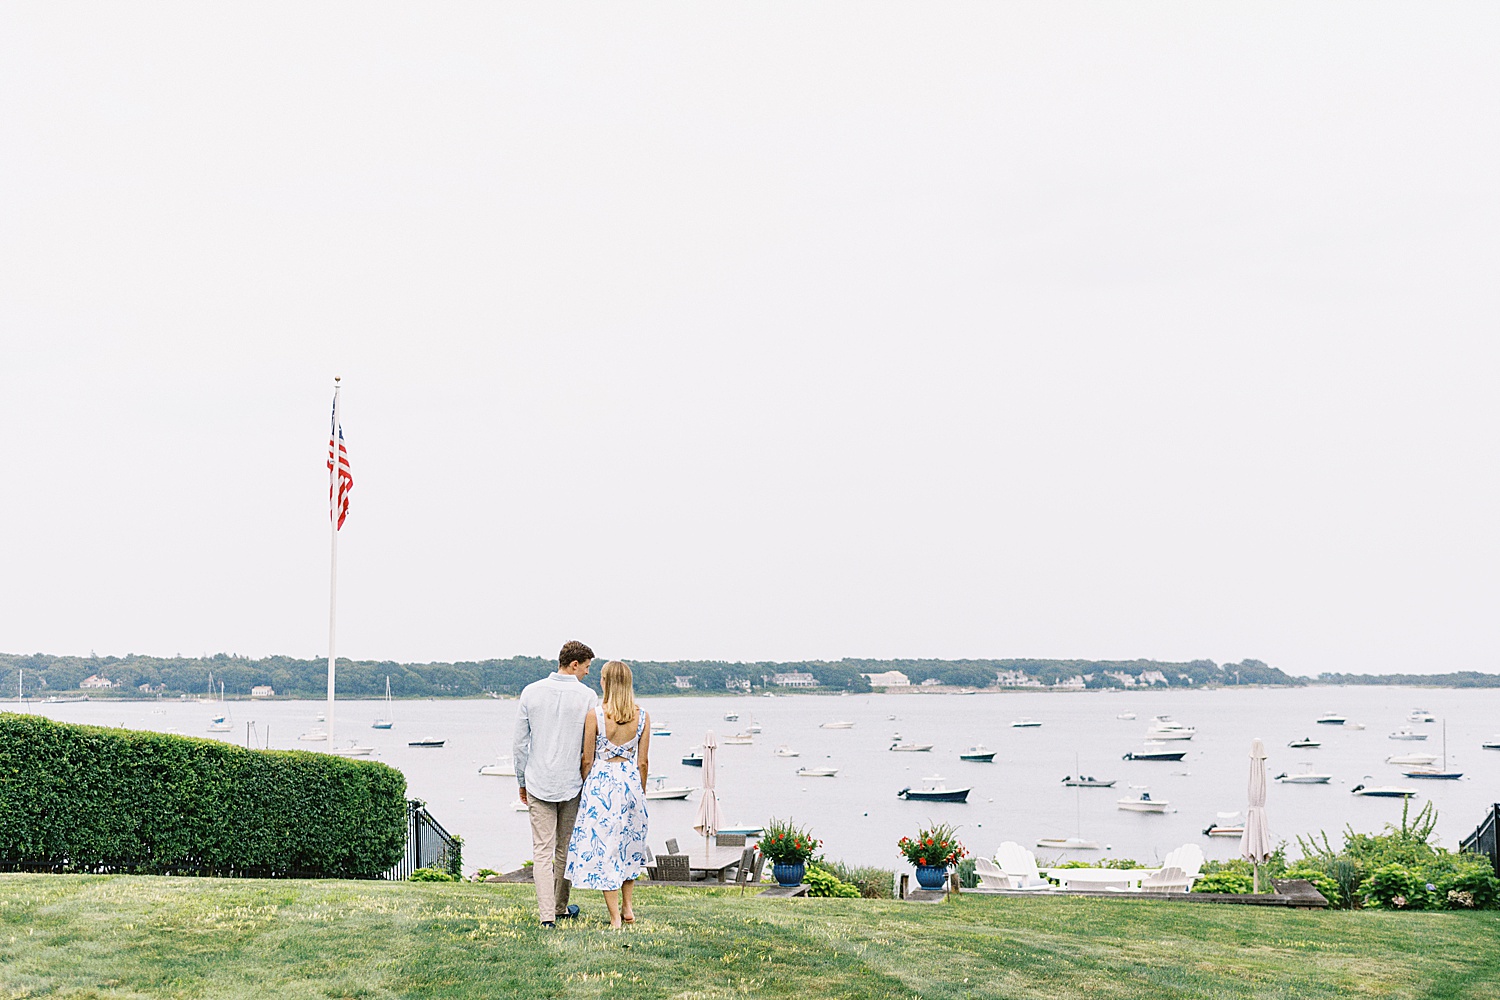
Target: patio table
[(1099, 878)]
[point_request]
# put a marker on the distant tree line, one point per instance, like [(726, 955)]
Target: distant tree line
[(134, 675), (1460, 679)]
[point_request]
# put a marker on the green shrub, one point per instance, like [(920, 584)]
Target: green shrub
[(484, 873), (1394, 886), (1122, 864), (873, 883), (90, 799), (822, 882), (967, 876), (1231, 882), (431, 875)]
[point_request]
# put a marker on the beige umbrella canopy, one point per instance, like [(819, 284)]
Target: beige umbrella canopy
[(1255, 843), (708, 819)]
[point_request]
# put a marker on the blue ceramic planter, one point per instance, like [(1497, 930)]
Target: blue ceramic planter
[(788, 874), (931, 877)]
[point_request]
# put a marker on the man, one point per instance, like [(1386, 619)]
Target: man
[(548, 751)]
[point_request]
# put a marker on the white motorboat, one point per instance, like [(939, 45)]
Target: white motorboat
[(1413, 759), (786, 751), (1303, 778), (817, 772), (314, 735), (505, 767), (1420, 715), (659, 789), (1126, 716), (979, 754), (1230, 824), (352, 750), (837, 725), (1025, 723), (660, 730), (1493, 743), (1168, 730), (934, 789), (1331, 719), (910, 747), (1405, 733), (1088, 781), (754, 727), (1384, 791), (1143, 804), (1156, 752), (731, 717), (1305, 743), (738, 740), (430, 743)]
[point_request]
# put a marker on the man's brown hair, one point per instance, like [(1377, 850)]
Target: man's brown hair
[(574, 651)]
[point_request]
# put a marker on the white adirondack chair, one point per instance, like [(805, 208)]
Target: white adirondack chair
[(1019, 866), (990, 875), (1169, 879), (1189, 859)]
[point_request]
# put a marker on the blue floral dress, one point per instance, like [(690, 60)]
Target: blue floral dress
[(608, 845)]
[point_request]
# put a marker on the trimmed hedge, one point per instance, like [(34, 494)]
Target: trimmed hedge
[(90, 799)]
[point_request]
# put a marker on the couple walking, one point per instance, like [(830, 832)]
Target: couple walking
[(582, 767)]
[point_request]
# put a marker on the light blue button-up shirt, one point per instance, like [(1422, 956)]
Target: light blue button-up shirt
[(548, 745)]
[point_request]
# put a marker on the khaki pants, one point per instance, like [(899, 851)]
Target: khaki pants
[(551, 829)]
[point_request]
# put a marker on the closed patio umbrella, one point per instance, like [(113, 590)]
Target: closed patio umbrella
[(1255, 842), (708, 820)]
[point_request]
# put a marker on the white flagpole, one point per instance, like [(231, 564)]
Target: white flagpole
[(333, 550)]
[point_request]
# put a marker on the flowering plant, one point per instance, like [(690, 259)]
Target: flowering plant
[(785, 843), (934, 847)]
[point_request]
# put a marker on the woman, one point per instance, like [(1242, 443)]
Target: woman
[(608, 847)]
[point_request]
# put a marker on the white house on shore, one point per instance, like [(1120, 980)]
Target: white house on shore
[(889, 679), (1074, 683), (796, 679), (263, 691), (682, 681), (1016, 679), (95, 681)]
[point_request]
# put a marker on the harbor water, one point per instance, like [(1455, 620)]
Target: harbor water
[(857, 814)]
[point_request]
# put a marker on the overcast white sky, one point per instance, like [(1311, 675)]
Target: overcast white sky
[(759, 331)]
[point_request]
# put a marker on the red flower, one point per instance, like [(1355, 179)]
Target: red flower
[(922, 861)]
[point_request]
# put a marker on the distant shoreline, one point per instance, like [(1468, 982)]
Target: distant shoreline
[(913, 690)]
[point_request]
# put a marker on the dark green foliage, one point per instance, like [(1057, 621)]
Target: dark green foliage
[(89, 799), (1459, 679), (433, 875), (1393, 870), (1231, 882), (455, 858), (967, 876)]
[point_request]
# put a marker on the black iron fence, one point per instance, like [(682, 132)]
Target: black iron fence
[(1482, 840), (428, 845)]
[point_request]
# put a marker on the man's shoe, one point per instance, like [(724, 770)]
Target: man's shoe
[(548, 924), (570, 913)]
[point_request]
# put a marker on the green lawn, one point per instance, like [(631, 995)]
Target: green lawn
[(100, 936)]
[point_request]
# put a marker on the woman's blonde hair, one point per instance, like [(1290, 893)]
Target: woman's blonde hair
[(619, 692)]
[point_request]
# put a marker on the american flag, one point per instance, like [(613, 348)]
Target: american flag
[(346, 479)]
